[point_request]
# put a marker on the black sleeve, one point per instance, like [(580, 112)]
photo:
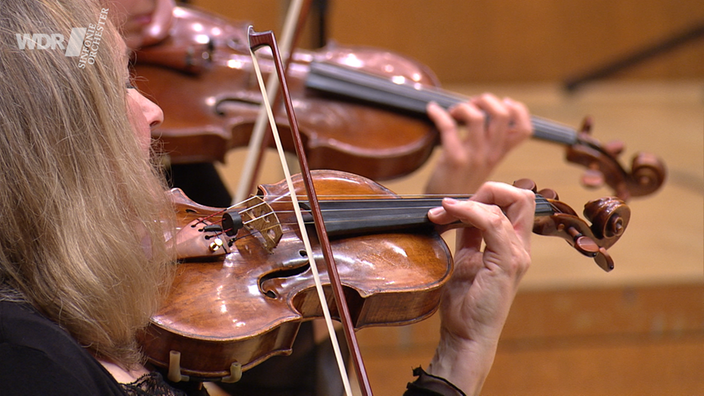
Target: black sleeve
[(430, 385), (27, 371)]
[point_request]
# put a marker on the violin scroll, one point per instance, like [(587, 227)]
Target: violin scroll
[(647, 173), (609, 218)]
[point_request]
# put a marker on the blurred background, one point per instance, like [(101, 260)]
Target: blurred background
[(636, 67)]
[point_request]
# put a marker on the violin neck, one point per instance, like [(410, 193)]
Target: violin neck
[(364, 216), (357, 85)]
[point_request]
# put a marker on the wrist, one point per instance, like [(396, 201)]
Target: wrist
[(464, 363)]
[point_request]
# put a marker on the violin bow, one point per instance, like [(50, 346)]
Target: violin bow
[(295, 17), (256, 41)]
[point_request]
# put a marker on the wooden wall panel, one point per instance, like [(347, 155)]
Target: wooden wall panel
[(643, 340), (507, 40)]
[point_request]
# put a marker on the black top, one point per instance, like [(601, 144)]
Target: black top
[(37, 357)]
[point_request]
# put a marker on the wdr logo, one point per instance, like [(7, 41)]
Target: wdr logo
[(52, 41), (83, 42)]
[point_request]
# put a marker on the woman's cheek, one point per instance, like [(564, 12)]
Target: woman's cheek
[(139, 122)]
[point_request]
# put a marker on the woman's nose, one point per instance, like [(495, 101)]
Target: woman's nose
[(152, 112)]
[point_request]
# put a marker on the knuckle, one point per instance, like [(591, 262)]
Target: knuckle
[(469, 113), (521, 263), (497, 217), (488, 96)]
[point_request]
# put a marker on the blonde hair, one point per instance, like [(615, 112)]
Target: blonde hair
[(83, 212)]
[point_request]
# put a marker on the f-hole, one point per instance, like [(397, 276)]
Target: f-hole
[(289, 272)]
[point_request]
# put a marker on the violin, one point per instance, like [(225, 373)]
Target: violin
[(360, 109), (212, 101), (244, 283)]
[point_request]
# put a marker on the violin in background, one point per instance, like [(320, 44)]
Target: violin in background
[(360, 109)]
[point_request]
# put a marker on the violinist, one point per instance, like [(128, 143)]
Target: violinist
[(83, 260), (465, 161), (463, 164)]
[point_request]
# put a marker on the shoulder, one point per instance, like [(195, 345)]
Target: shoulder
[(22, 327), (39, 357)]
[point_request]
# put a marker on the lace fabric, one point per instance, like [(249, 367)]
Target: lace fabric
[(151, 384)]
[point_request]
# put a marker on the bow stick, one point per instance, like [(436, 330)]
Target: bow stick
[(257, 40), (295, 16)]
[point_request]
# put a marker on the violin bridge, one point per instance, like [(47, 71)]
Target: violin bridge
[(260, 218)]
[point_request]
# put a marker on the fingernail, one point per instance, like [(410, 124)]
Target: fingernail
[(436, 211), (449, 201)]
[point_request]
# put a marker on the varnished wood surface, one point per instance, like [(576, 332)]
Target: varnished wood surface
[(637, 330)]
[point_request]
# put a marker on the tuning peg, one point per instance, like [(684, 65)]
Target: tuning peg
[(583, 244), (526, 184), (592, 178), (548, 193), (588, 247), (603, 259), (587, 125), (614, 147)]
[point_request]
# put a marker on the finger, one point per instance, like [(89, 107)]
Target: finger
[(472, 213), (468, 243), (517, 204), (502, 240), (447, 126), (473, 119), (498, 124), (440, 216), (521, 126)]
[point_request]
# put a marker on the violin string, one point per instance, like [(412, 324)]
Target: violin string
[(420, 200), (411, 97), (549, 125), (360, 200), (352, 219), (203, 219), (347, 198), (222, 232), (554, 207), (352, 211), (369, 197), (372, 195), (238, 237), (341, 210), (348, 210)]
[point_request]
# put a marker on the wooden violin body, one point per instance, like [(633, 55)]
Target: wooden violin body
[(211, 99), (244, 285), (247, 305)]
